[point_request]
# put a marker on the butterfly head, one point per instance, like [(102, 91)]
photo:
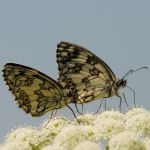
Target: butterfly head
[(121, 83)]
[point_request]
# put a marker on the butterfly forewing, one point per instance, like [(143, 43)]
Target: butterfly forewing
[(86, 76), (35, 92)]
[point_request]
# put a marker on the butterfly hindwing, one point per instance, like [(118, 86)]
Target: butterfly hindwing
[(35, 92), (85, 75)]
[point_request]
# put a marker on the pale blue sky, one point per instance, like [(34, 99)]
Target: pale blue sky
[(115, 30)]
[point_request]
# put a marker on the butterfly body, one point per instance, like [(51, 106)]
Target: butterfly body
[(83, 77)]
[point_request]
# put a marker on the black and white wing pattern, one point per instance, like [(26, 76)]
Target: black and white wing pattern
[(86, 76), (35, 92)]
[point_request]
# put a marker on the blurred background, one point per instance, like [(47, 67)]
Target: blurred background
[(116, 31)]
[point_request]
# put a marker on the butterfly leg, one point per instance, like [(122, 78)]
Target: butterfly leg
[(125, 100), (133, 95), (99, 107), (55, 113), (120, 101), (105, 105), (81, 113), (82, 108), (52, 115), (73, 113)]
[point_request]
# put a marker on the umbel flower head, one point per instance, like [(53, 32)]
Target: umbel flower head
[(15, 146), (109, 123), (53, 147), (139, 124), (27, 136), (108, 127), (112, 114), (147, 143), (72, 135), (126, 141), (86, 119), (55, 124), (52, 127), (135, 111), (109, 130), (87, 146)]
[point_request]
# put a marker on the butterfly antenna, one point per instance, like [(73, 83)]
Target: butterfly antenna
[(133, 93), (133, 71), (99, 107)]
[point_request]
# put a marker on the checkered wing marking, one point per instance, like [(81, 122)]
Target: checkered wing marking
[(85, 75), (35, 92)]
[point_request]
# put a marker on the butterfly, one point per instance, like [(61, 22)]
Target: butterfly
[(86, 76), (83, 77), (35, 92)]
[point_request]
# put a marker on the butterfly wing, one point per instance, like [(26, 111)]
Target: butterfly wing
[(35, 92), (86, 76)]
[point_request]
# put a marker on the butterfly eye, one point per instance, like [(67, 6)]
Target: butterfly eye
[(121, 83)]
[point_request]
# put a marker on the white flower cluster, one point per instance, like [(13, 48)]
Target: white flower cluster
[(108, 130)]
